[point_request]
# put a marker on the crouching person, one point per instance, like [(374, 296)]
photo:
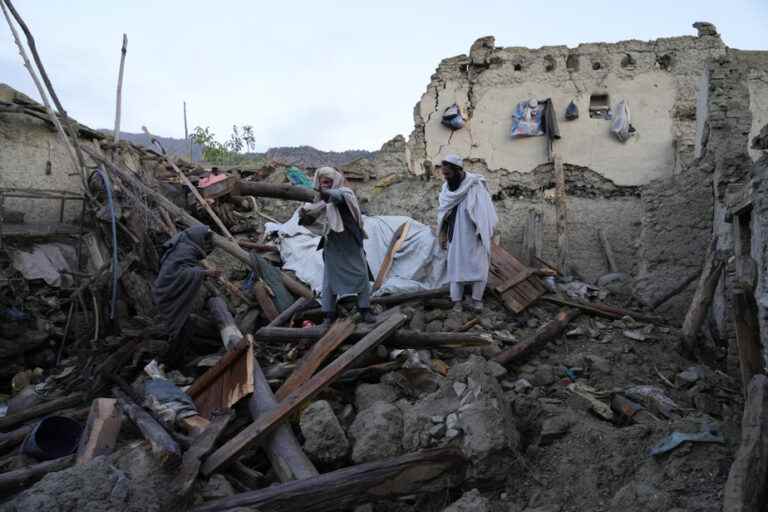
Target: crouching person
[(336, 215), (176, 289)]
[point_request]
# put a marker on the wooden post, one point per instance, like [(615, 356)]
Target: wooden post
[(533, 237), (186, 132), (397, 241), (544, 335), (42, 409), (202, 446), (101, 430), (119, 102), (163, 445), (422, 471), (277, 191), (608, 251), (562, 215), (702, 299), (267, 422)]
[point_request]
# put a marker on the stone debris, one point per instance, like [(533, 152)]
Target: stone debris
[(324, 438)]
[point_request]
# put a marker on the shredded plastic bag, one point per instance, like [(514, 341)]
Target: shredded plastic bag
[(452, 117), (571, 112)]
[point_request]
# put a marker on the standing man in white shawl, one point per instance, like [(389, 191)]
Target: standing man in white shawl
[(466, 219), (336, 216)]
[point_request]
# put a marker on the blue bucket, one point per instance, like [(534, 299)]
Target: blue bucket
[(53, 437)]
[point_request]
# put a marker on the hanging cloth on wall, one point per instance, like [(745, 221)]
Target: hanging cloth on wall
[(452, 117), (621, 126), (549, 120)]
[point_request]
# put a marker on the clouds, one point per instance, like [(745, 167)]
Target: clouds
[(336, 75)]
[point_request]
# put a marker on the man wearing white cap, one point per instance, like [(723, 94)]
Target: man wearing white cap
[(466, 219)]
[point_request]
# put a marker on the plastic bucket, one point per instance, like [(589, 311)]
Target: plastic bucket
[(53, 437)]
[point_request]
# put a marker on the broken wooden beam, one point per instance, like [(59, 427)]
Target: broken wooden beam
[(400, 339), (397, 241), (101, 430), (308, 365), (14, 481), (267, 422), (424, 471), (561, 213), (533, 237), (606, 310), (674, 291), (42, 409), (283, 450), (745, 489), (276, 191), (285, 316), (200, 448), (264, 300), (745, 320), (544, 335), (702, 299), (162, 444)]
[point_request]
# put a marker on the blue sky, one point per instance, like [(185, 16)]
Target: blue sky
[(334, 75)]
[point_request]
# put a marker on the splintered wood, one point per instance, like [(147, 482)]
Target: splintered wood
[(225, 383), (512, 281)]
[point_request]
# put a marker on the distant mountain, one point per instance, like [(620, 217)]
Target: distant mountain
[(307, 156), (176, 147), (300, 156)]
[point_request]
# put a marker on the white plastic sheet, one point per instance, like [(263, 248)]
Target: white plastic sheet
[(46, 261), (418, 265)]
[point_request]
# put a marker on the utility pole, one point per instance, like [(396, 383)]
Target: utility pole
[(123, 51)]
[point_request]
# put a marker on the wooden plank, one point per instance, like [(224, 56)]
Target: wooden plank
[(413, 473), (336, 335), (42, 409), (533, 237), (561, 212), (702, 299), (400, 339), (101, 430), (745, 489), (226, 382), (512, 282), (201, 447), (265, 301), (745, 314), (163, 445), (397, 241), (606, 311), (267, 422), (505, 270)]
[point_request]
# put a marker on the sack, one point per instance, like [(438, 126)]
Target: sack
[(571, 112), (452, 117), (620, 126)]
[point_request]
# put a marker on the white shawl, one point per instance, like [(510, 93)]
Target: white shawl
[(328, 217), (473, 190)]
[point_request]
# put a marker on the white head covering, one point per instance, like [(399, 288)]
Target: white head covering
[(332, 217)]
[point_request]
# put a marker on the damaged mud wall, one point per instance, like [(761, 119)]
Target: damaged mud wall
[(33, 157), (759, 246)]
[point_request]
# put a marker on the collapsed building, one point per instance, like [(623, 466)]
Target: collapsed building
[(567, 394)]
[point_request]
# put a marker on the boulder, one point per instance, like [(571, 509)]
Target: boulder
[(377, 433), (325, 441), (471, 501), (368, 394)]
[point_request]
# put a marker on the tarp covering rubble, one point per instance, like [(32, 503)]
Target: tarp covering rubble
[(418, 265)]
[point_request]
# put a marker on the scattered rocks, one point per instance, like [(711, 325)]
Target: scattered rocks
[(471, 501), (325, 440), (554, 428), (377, 432)]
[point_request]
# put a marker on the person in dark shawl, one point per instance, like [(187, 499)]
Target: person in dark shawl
[(181, 276), (337, 217)]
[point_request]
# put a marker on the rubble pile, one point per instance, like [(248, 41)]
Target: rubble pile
[(551, 397)]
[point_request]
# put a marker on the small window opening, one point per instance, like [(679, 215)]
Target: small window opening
[(596, 65), (518, 67), (572, 63), (628, 61), (665, 61), (599, 106), (549, 64)]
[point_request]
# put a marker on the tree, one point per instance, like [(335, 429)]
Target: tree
[(248, 138), (229, 152)]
